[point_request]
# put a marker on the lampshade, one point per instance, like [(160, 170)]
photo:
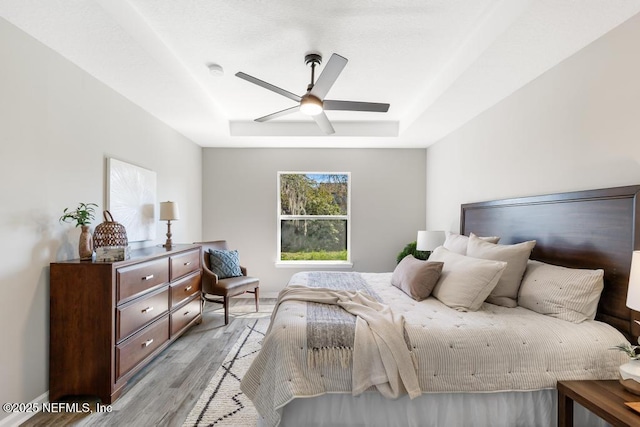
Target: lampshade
[(633, 294), (429, 240), (169, 211)]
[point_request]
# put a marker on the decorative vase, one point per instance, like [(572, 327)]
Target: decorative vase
[(85, 245), (630, 376)]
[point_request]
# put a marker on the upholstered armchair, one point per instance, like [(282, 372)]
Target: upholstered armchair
[(228, 287)]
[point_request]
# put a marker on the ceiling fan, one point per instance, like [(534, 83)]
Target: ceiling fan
[(312, 103)]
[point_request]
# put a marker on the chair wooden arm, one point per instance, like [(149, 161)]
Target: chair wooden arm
[(210, 274), (214, 277)]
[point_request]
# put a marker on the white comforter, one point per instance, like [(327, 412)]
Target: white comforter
[(493, 349), (380, 357)]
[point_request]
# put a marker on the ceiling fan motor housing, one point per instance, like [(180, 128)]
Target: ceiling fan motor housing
[(313, 59)]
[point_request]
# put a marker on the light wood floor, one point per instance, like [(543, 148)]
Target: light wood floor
[(163, 393)]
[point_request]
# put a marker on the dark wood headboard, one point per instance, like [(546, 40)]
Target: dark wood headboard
[(583, 229)]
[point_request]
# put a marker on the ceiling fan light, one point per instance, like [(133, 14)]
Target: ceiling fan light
[(310, 105)]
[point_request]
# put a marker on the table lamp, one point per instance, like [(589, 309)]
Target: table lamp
[(428, 240), (169, 212), (633, 293), (630, 372)]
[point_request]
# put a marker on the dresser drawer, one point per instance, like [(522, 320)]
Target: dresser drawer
[(134, 279), (184, 315), (133, 350), (185, 288), (141, 311), (184, 263)]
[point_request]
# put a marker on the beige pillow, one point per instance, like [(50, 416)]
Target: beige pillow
[(465, 282), (566, 293), (415, 277), (516, 256), (458, 242)]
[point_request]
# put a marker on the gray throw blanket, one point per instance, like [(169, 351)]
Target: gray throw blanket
[(330, 329)]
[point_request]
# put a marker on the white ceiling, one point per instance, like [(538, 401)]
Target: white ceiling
[(439, 63)]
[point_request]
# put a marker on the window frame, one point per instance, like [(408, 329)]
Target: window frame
[(279, 218)]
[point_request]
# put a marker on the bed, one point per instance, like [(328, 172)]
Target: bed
[(467, 373)]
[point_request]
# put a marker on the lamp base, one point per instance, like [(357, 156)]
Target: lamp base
[(632, 386), (169, 243), (630, 376)]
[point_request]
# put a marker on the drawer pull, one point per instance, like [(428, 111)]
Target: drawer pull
[(188, 288), (149, 277), (185, 313), (148, 309), (147, 343), (187, 263)]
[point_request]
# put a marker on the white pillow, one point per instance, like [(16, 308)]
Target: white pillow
[(516, 256), (566, 293), (458, 242), (465, 282)]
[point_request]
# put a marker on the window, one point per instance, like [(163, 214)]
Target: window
[(313, 217)]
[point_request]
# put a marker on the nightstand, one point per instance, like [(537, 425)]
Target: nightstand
[(604, 398)]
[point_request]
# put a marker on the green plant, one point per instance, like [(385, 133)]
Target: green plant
[(82, 215), (633, 351), (410, 249)]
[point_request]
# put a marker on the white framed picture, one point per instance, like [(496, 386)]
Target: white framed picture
[(131, 199)]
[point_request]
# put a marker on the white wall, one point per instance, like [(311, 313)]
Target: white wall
[(57, 126), (240, 197), (576, 127)]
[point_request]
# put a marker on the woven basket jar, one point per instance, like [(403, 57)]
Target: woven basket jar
[(109, 233)]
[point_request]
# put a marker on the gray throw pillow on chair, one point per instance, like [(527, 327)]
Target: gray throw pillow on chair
[(225, 263)]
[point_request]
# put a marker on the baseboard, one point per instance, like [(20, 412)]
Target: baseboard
[(272, 294), (17, 418)]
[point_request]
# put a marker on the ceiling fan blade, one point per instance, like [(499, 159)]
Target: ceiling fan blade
[(269, 86), (278, 114), (328, 76), (323, 121), (376, 107)]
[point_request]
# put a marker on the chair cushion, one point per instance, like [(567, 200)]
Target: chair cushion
[(225, 263), (235, 285)]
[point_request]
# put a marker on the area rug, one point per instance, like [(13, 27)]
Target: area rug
[(222, 403), (247, 311)]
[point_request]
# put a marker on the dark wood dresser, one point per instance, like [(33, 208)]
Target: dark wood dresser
[(109, 319)]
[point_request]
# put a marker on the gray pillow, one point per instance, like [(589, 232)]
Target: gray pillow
[(225, 263), (465, 282), (506, 291), (415, 277)]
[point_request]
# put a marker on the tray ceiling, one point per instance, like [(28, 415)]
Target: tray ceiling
[(438, 63)]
